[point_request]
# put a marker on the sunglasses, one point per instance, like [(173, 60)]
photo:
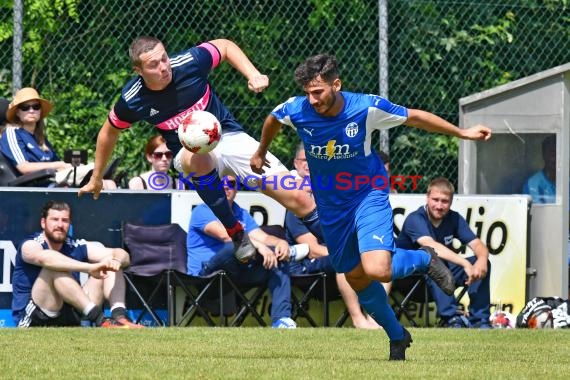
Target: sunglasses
[(27, 107), (230, 184), (159, 155)]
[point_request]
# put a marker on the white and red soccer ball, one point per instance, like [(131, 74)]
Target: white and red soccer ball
[(200, 132), (503, 320)]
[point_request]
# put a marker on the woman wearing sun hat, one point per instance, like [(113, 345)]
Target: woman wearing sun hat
[(23, 141)]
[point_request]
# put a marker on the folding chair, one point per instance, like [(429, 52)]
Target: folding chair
[(9, 176), (311, 286), (248, 305), (414, 290), (158, 262)]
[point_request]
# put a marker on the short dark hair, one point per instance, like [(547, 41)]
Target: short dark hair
[(323, 65), (55, 205), (141, 45)]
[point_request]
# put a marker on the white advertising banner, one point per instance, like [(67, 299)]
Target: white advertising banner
[(500, 221)]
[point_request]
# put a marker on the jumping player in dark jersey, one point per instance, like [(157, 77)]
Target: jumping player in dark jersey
[(165, 91)]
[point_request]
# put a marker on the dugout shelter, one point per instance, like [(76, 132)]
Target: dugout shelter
[(522, 114)]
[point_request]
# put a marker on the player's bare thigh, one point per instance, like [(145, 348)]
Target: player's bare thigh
[(187, 163)]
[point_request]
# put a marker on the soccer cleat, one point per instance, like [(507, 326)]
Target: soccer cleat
[(120, 323), (284, 323), (244, 250), (398, 347), (440, 273)]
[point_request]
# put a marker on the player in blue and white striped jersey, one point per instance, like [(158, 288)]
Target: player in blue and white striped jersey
[(351, 185)]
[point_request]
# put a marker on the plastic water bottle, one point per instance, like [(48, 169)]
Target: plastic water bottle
[(299, 251)]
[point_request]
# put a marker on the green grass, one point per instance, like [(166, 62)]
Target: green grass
[(264, 353)]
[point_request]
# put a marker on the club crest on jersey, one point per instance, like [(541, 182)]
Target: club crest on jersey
[(351, 129)]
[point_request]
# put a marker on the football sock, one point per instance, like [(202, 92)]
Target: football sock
[(374, 300), (96, 315), (118, 310), (406, 262), (88, 308), (311, 221), (209, 187)]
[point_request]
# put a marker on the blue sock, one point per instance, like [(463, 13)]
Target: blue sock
[(374, 300), (311, 221), (406, 262), (209, 187)]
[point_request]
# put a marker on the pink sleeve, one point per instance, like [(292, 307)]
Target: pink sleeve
[(214, 52), (116, 122)]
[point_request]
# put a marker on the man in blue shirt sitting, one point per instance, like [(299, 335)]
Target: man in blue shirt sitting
[(541, 186), (435, 225), (210, 248)]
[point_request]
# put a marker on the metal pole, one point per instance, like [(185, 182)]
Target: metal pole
[(383, 64), (17, 46)]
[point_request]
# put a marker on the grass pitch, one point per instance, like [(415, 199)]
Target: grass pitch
[(264, 353)]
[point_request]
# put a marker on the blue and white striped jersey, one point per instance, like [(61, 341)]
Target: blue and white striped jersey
[(25, 274)]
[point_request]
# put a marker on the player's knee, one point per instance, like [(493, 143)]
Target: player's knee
[(382, 274), (200, 164)]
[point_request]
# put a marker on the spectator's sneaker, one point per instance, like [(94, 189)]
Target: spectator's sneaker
[(398, 347), (482, 325), (440, 273), (456, 322), (284, 323), (244, 250), (120, 323)]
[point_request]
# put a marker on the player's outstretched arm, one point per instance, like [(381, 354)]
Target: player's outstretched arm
[(231, 52), (106, 140), (271, 127), (433, 123)]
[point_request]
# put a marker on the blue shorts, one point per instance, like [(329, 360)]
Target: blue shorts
[(365, 227)]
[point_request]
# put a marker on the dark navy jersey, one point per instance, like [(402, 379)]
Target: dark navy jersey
[(25, 274), (344, 165), (417, 224), (19, 146), (189, 90)]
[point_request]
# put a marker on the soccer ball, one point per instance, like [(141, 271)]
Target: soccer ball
[(199, 132), (502, 319), (541, 320)]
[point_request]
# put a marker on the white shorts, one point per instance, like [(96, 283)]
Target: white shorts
[(232, 157)]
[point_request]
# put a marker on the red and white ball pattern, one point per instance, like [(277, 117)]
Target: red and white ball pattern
[(200, 132)]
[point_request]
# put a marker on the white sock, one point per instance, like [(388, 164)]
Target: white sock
[(88, 308), (118, 304)]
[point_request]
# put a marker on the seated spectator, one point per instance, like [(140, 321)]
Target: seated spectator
[(24, 142), (210, 248), (435, 225), (541, 186), (160, 159), (46, 288), (317, 259)]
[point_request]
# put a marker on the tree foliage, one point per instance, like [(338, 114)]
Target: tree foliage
[(75, 53)]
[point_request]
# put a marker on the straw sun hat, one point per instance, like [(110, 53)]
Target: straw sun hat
[(24, 95)]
